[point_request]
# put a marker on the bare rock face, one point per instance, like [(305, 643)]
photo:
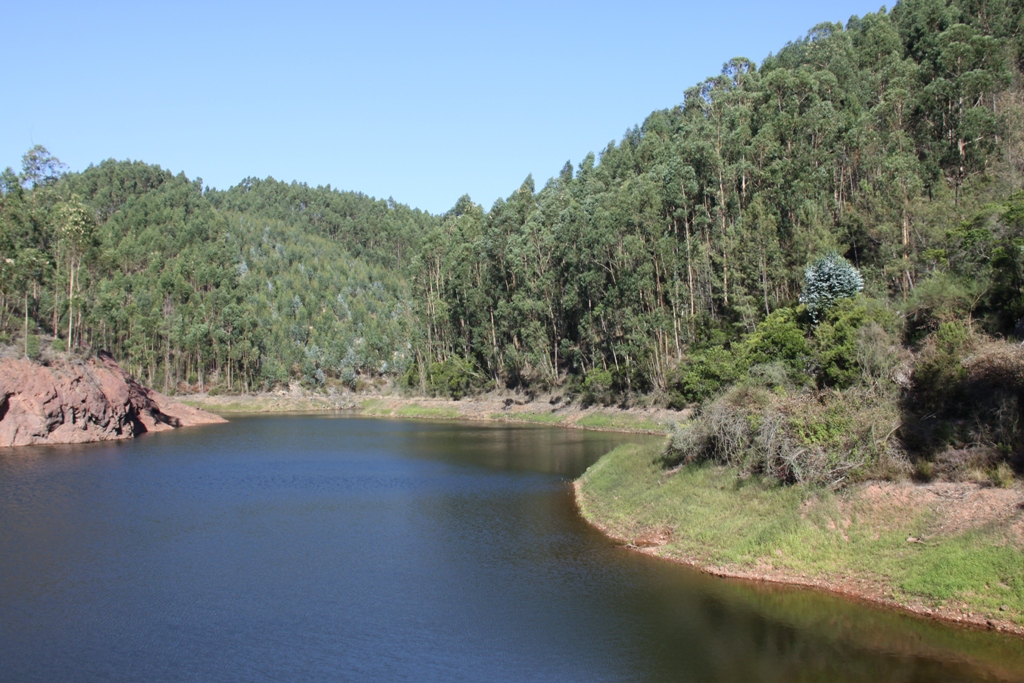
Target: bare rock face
[(75, 402)]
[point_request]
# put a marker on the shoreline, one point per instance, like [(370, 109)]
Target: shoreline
[(544, 410), (549, 411), (846, 582), (875, 597)]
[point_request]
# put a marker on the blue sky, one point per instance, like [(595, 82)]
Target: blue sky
[(423, 102)]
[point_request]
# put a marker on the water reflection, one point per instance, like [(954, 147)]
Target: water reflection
[(350, 549)]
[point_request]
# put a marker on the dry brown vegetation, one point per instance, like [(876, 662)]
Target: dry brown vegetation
[(952, 411)]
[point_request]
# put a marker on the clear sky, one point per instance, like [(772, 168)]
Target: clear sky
[(423, 102)]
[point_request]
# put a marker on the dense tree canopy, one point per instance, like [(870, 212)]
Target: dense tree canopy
[(894, 141)]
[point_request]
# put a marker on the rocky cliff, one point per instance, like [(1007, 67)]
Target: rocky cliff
[(74, 401)]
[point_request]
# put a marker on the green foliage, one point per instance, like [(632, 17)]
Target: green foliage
[(597, 387), (656, 258), (624, 421), (538, 418), (847, 352), (940, 373), (705, 375), (431, 412), (743, 524), (828, 429), (944, 297), (453, 378), (828, 280), (779, 339), (32, 347)]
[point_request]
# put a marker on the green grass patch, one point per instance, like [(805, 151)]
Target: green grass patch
[(625, 421), (415, 410), (720, 519), (539, 418), (241, 406), (259, 404), (235, 407), (373, 406)]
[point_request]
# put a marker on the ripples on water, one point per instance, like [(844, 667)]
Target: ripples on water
[(315, 548)]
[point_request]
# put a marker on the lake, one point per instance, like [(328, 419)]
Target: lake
[(329, 548)]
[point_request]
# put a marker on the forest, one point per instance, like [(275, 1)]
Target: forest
[(673, 267)]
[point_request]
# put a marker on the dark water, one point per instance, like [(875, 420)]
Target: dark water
[(333, 549)]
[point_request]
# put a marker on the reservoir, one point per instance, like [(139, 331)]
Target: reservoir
[(324, 548)]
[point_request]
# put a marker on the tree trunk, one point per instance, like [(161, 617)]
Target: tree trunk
[(71, 286)]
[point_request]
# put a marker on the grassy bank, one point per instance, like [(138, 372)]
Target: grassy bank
[(497, 408), (267, 403), (954, 551)]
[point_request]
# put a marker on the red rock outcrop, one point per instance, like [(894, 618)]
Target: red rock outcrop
[(73, 401)]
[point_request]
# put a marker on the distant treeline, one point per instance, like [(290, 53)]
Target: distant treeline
[(895, 140)]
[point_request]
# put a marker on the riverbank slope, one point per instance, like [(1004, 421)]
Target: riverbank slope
[(953, 551), (554, 410)]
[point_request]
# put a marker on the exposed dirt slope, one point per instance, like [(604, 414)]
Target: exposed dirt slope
[(75, 401)]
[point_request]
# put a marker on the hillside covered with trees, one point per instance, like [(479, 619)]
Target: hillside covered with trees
[(673, 267)]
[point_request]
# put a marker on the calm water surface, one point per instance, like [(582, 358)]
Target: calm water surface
[(300, 548)]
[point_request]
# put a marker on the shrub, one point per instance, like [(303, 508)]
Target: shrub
[(775, 376), (826, 281), (705, 375), (59, 345), (854, 344), (939, 375), (943, 297), (836, 339), (273, 372), (823, 439), (745, 429), (597, 387), (32, 347), (965, 412), (778, 339), (453, 377), (411, 378), (877, 353)]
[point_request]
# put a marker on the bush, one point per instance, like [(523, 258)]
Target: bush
[(58, 345), (273, 372), (597, 387), (705, 375), (940, 374), (943, 297), (32, 347), (453, 377), (846, 353), (745, 430), (823, 439), (878, 354), (965, 412), (778, 339), (826, 281)]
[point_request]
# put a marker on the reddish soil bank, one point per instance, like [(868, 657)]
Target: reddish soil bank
[(76, 401)]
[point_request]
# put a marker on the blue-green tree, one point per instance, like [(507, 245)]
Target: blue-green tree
[(829, 279)]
